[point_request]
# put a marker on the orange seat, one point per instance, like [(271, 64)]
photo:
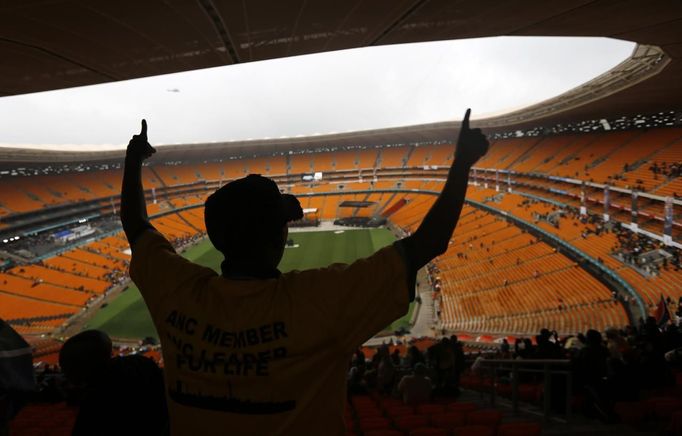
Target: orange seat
[(411, 422), (484, 417), (367, 424), (663, 407), (430, 409), (461, 407), (398, 411), (382, 433), (448, 420), (630, 413), (519, 429), (429, 432), (474, 430)]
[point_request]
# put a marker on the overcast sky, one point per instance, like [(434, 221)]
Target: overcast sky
[(349, 90)]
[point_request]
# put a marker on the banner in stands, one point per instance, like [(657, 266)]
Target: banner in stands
[(668, 217), (633, 208)]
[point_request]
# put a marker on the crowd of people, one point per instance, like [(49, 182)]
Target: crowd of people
[(631, 247), (669, 170), (413, 376), (610, 367), (618, 365)]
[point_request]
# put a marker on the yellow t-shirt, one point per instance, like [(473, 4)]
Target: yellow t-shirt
[(263, 357)]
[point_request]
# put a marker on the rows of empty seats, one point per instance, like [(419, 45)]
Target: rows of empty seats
[(667, 283), (496, 278), (62, 285), (13, 284)]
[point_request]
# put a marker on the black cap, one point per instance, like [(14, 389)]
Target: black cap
[(248, 209)]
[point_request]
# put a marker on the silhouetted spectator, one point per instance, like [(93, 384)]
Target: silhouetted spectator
[(112, 392), (416, 388), (257, 350), (414, 356)]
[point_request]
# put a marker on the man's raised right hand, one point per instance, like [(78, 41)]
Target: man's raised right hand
[(471, 145)]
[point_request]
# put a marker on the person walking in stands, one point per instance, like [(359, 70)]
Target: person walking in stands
[(253, 351)]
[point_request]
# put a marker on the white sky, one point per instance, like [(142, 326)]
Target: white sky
[(341, 91)]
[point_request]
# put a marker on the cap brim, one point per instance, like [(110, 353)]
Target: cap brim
[(291, 208)]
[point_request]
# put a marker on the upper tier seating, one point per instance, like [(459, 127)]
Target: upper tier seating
[(601, 157)]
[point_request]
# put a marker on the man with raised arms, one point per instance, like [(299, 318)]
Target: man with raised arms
[(304, 324)]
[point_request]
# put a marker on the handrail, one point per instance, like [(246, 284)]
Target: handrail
[(530, 361), (516, 366)]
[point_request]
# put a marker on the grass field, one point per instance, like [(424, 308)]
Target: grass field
[(127, 316)]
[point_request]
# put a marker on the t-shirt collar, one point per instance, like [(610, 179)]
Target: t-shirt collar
[(249, 274)]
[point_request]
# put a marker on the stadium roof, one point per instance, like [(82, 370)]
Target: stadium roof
[(55, 44)]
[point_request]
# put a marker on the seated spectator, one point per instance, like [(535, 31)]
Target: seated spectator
[(386, 373), (416, 388), (546, 349), (505, 348), (414, 356), (395, 357), (355, 380), (112, 392), (616, 344)]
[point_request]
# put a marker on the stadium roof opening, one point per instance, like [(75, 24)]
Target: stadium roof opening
[(342, 91)]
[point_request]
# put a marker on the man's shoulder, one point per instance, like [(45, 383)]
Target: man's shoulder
[(315, 273)]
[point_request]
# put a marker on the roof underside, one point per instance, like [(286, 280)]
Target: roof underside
[(52, 44)]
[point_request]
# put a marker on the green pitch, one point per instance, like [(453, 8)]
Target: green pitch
[(127, 316)]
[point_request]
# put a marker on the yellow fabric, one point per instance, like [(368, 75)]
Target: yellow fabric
[(263, 357)]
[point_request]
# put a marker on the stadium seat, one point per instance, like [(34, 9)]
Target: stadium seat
[(374, 423), (461, 407), (631, 413), (448, 420), (411, 422), (396, 411), (519, 429), (663, 407), (474, 430), (429, 432), (484, 417), (429, 409)]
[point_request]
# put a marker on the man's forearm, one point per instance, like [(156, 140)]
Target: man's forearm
[(432, 237), (133, 206)]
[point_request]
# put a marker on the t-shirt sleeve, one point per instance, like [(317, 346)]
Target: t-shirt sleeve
[(157, 269), (362, 298)]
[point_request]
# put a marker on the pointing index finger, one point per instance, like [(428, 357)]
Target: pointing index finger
[(465, 121), (143, 132)]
